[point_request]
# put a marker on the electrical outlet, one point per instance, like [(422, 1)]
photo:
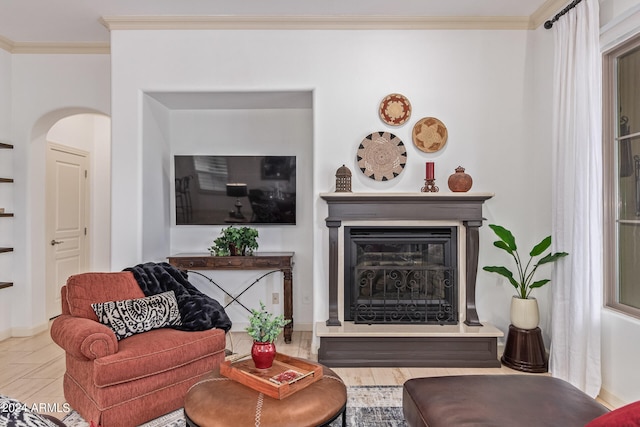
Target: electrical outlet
[(275, 298)]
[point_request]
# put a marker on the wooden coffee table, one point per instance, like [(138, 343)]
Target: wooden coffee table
[(219, 401)]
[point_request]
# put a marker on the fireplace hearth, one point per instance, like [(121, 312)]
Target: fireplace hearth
[(402, 279)]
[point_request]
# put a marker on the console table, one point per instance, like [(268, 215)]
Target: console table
[(282, 261)]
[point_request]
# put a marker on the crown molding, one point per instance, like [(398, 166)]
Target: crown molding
[(316, 22), (54, 48), (57, 48), (546, 11), (543, 13), (6, 44)]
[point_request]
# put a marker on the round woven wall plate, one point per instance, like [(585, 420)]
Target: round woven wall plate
[(381, 156), (395, 109), (429, 134)]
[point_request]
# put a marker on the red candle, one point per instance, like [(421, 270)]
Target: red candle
[(430, 174)]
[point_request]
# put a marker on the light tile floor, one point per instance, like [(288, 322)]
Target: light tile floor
[(31, 369)]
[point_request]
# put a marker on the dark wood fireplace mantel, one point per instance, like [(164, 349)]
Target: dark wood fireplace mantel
[(463, 207)]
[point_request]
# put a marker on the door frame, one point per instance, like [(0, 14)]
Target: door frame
[(86, 242)]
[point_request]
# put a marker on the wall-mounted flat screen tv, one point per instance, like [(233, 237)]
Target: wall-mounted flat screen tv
[(211, 189)]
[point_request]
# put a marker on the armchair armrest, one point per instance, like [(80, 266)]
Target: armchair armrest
[(83, 338)]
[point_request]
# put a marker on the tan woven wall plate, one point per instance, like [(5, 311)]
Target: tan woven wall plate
[(381, 156), (429, 134), (395, 109)]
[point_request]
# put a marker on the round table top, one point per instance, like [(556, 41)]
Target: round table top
[(219, 401)]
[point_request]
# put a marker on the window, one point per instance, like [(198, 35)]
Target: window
[(622, 176), (211, 172)]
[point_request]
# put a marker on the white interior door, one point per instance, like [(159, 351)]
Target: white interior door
[(67, 219)]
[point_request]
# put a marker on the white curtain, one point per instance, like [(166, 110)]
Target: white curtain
[(577, 203)]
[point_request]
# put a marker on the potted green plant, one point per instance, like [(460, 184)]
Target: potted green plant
[(235, 241), (264, 328), (524, 308)]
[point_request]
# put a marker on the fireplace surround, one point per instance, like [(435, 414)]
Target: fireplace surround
[(401, 275), (465, 342)]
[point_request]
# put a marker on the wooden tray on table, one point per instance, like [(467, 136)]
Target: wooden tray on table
[(287, 375)]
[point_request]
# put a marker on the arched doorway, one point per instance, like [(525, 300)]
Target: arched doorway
[(77, 202)]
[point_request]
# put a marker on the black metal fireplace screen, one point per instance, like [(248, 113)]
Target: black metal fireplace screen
[(401, 275)]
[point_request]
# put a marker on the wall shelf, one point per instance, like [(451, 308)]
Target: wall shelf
[(4, 145)]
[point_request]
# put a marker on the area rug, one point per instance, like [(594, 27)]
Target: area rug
[(372, 406), (367, 406)]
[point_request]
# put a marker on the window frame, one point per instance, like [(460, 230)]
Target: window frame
[(610, 139)]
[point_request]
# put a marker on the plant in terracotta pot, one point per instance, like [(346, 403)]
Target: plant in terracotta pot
[(235, 241), (524, 308), (264, 328)]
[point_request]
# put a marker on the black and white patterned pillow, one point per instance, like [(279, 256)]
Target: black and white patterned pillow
[(14, 413), (133, 316)]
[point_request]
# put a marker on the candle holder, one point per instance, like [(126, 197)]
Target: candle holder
[(430, 186)]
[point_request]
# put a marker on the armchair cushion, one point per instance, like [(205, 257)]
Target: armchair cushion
[(134, 316), (85, 289), (154, 353)]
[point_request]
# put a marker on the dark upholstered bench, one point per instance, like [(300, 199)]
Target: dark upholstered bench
[(497, 400)]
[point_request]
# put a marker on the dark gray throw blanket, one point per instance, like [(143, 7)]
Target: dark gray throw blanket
[(199, 312)]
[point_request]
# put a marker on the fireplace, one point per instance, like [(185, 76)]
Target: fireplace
[(402, 281), (401, 275)]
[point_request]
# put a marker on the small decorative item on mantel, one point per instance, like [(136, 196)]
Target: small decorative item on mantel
[(460, 182), (343, 180), (430, 180), (264, 328)]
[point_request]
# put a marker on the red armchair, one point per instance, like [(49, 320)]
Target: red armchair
[(131, 381)]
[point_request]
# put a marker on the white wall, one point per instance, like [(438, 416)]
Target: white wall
[(613, 10), (5, 95), (155, 172), (45, 88), (6, 194), (490, 88)]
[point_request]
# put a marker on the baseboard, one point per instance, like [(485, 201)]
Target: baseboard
[(302, 327), (306, 327), (28, 332), (23, 332), (610, 400)]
